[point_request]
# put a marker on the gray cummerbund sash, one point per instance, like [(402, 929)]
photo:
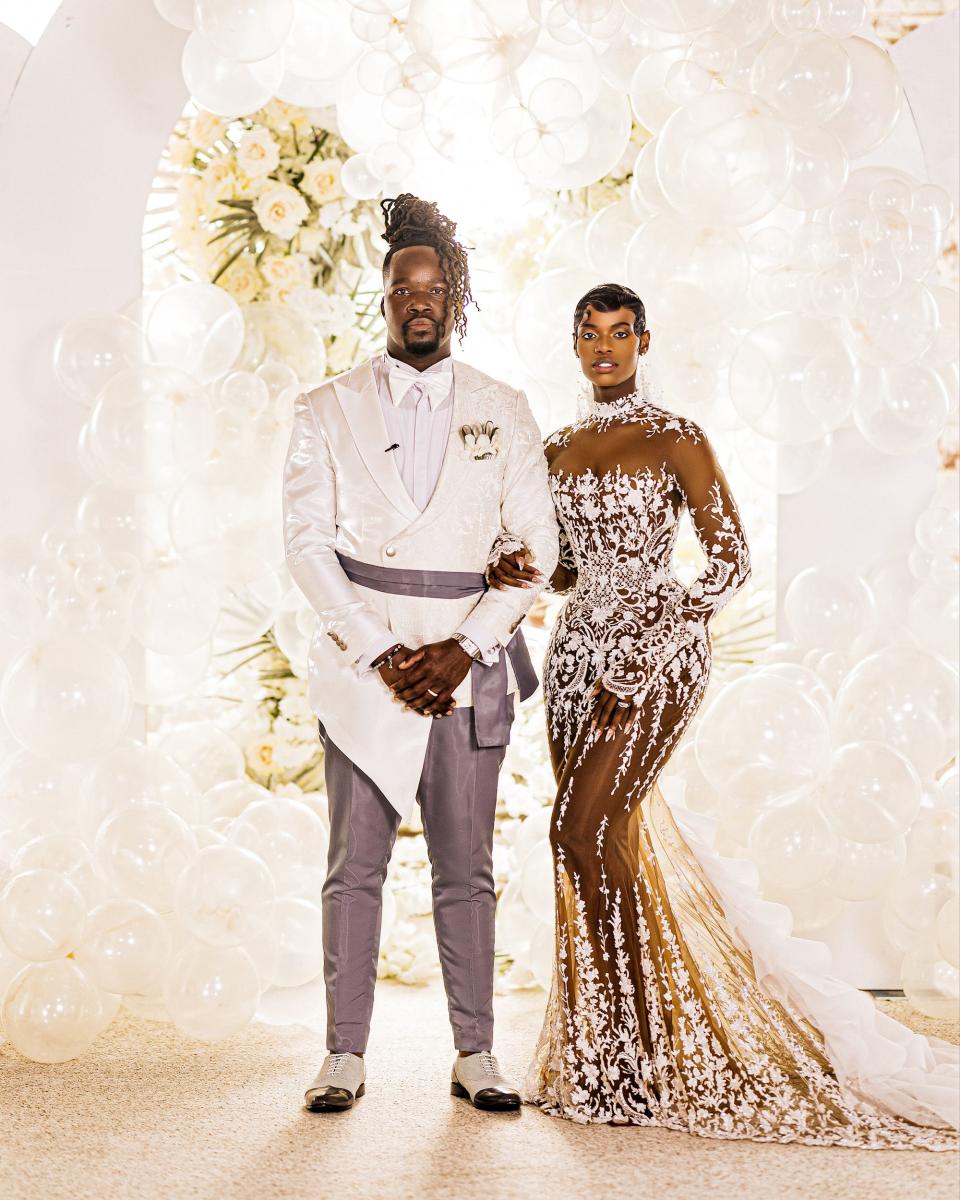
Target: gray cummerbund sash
[(490, 705)]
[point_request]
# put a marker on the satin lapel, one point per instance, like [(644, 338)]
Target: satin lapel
[(360, 402), (469, 389)]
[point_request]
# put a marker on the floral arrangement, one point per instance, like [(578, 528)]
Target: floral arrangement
[(261, 211)]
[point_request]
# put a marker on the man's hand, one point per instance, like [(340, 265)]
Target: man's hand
[(428, 677), (514, 570)]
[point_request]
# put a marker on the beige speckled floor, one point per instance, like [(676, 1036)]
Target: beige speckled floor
[(148, 1114)]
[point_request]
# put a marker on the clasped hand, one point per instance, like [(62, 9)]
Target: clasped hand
[(426, 679)]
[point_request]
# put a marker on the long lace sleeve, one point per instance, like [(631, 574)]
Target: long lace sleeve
[(717, 523)]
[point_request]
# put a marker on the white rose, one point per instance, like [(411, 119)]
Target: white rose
[(243, 281), (288, 270), (205, 129), (311, 240), (321, 180), (329, 214), (219, 180), (281, 210), (257, 153)]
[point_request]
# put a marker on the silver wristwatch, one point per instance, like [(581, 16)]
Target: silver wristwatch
[(469, 646)]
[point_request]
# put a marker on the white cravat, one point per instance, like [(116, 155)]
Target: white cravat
[(435, 383)]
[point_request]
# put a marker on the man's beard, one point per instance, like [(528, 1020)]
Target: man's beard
[(423, 349)]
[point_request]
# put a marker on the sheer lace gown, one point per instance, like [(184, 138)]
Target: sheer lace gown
[(679, 998)]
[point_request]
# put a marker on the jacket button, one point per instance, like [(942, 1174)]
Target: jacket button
[(390, 551)]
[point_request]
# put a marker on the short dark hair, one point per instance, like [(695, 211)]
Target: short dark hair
[(410, 221), (608, 297)]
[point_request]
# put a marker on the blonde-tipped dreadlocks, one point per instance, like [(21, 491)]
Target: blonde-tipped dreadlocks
[(410, 221)]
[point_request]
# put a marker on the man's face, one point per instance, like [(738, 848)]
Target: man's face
[(416, 303)]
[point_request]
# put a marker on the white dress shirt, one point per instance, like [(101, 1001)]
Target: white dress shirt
[(417, 409)]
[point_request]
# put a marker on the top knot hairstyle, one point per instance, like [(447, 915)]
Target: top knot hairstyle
[(410, 221), (608, 297)]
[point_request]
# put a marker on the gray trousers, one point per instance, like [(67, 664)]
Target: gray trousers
[(458, 800)]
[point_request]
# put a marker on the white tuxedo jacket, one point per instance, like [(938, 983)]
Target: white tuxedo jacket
[(342, 491)]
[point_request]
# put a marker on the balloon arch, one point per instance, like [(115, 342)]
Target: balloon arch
[(162, 819)]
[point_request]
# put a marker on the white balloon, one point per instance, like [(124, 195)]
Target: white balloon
[(197, 328), (827, 608), (218, 891), (124, 948), (863, 871), (93, 348), (142, 850), (211, 991), (224, 86), (207, 754), (133, 772), (793, 846), (872, 792), (725, 158), (764, 721), (873, 103), (687, 272), (245, 30), (52, 1011), (176, 608), (932, 985), (151, 428), (67, 700), (41, 914)]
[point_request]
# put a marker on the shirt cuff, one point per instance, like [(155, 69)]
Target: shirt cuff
[(477, 632), (384, 641)]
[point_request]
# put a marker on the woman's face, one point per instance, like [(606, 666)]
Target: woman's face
[(608, 346)]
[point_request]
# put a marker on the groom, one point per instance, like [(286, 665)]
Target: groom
[(399, 477)]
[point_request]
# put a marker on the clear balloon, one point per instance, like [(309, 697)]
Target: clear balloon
[(52, 1011), (245, 30), (793, 846), (175, 609), (873, 793), (66, 855), (296, 924), (537, 881), (289, 837), (211, 991), (124, 948), (726, 158), (901, 410), (489, 39), (91, 349), (178, 12), (874, 101), (792, 379), (197, 328), (219, 890), (764, 721), (41, 914), (863, 871), (680, 16), (227, 87), (687, 272), (902, 696), (826, 607), (280, 333), (161, 679), (130, 773), (206, 754), (142, 851), (151, 428), (67, 700), (932, 986), (820, 168), (805, 76)]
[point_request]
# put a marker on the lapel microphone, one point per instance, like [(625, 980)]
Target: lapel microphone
[(395, 446)]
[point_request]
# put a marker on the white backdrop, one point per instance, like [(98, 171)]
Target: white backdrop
[(94, 104)]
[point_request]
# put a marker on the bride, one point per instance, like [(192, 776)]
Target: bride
[(678, 997)]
